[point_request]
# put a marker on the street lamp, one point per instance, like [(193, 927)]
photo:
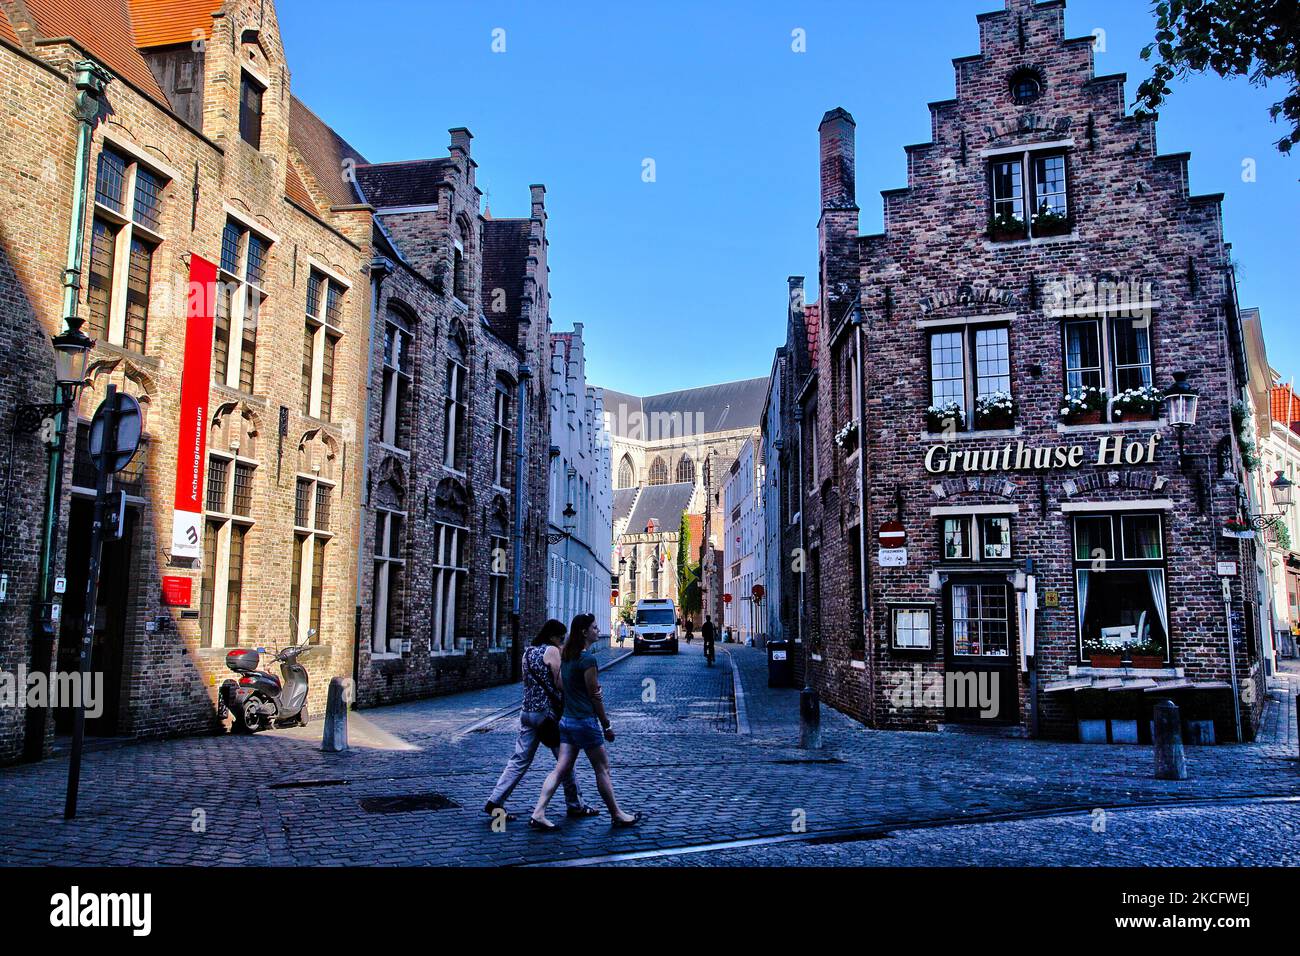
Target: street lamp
[(71, 353), (1181, 401), (1283, 491)]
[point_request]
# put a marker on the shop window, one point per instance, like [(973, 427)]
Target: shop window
[(912, 627), (1029, 196), (970, 369), (976, 537), (123, 240), (1121, 579)]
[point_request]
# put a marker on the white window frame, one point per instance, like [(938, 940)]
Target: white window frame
[(307, 558), (241, 290), (227, 518), (390, 566), (126, 227), (448, 580), (320, 327)]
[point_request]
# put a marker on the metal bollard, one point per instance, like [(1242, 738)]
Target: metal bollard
[(335, 738), (1171, 762), (810, 720)]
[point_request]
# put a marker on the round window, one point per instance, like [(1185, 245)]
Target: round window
[(1026, 86)]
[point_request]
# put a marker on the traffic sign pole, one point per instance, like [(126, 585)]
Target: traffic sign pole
[(112, 458)]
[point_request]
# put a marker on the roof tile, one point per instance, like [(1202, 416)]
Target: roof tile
[(169, 22)]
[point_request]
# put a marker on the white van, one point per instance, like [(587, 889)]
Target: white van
[(655, 627)]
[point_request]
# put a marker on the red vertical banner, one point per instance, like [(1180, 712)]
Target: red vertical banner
[(191, 429)]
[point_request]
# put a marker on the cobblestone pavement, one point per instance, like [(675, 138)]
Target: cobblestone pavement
[(1258, 834), (703, 768)]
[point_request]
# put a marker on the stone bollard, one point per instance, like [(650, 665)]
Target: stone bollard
[(1171, 762), (810, 720), (335, 738)]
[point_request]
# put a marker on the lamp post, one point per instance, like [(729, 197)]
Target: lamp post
[(71, 350)]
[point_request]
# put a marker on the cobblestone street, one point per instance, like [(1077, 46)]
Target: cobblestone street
[(707, 766)]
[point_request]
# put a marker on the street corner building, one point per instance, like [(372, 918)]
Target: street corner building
[(998, 515), (338, 422)]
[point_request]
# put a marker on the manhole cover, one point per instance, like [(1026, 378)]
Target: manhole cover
[(407, 803), (300, 784)]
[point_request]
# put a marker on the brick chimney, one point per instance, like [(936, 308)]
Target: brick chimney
[(837, 131)]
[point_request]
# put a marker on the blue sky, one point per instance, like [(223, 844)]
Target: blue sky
[(682, 281)]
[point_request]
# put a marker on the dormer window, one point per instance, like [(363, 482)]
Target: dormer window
[(250, 110)]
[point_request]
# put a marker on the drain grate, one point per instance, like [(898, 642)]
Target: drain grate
[(408, 803), (302, 784)]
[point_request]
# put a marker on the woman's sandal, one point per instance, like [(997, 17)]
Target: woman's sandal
[(619, 824), (536, 824), (587, 811)]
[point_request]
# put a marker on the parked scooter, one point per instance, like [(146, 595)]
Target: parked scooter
[(259, 699)]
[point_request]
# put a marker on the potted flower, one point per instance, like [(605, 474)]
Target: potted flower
[(1006, 228), (1083, 405), (1138, 404), (995, 410), (1103, 654), (847, 437), (1147, 654), (1238, 528), (941, 418), (1048, 223)]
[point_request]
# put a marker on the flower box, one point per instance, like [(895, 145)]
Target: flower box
[(1084, 418), (1148, 661), (994, 421), (942, 418), (1006, 229), (1048, 225), (1105, 660)]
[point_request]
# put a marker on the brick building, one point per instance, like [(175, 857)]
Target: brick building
[(201, 153), (1042, 250), (670, 454), (578, 571)]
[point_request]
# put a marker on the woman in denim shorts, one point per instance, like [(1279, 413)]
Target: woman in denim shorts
[(584, 725)]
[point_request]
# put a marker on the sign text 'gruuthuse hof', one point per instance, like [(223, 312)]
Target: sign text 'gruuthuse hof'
[(1111, 451)]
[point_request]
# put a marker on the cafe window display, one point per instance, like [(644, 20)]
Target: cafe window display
[(1120, 574)]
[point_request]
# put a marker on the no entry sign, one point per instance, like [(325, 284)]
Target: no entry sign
[(892, 535)]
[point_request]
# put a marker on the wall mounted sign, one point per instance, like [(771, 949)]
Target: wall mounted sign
[(1111, 451), (177, 591), (1051, 599), (892, 534), (192, 430), (893, 557)]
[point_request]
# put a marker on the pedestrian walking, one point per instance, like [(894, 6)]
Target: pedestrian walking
[(584, 726), (539, 723), (690, 630), (708, 632), (622, 632)]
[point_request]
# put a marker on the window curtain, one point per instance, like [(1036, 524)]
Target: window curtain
[(1085, 583), (1156, 579)]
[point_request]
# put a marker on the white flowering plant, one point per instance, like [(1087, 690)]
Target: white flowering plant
[(1083, 399), (941, 417), (995, 406), (844, 437), (1136, 403)]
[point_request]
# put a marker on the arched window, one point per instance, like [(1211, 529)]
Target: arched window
[(686, 470), (626, 473), (659, 472)]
